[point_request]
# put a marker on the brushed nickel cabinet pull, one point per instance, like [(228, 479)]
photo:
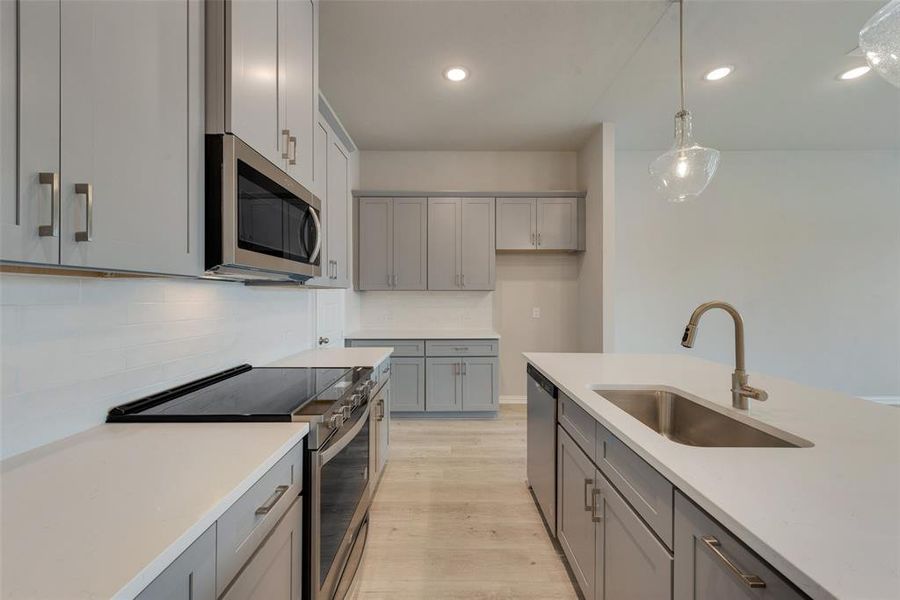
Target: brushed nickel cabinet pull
[(88, 234), (588, 488), (285, 142), (51, 230), (751, 581), (272, 500), (462, 279), (292, 150), (532, 238), (539, 239), (595, 493)]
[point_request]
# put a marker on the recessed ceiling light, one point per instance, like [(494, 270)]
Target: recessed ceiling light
[(719, 73), (456, 73), (855, 73)]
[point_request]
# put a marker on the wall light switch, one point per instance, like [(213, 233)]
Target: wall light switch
[(536, 313)]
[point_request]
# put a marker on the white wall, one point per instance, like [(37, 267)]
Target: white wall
[(523, 281), (805, 244), (73, 347)]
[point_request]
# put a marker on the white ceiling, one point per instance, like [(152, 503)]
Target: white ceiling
[(543, 72)]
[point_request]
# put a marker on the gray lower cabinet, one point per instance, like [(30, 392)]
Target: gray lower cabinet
[(711, 564), (444, 384), (407, 384), (574, 522), (612, 553), (480, 383), (191, 577), (274, 571), (380, 430)]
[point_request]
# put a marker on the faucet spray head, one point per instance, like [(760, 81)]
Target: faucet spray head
[(690, 333)]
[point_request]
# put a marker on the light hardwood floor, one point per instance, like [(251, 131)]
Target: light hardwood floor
[(453, 517)]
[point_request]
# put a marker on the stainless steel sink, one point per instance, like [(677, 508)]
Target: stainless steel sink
[(687, 422)]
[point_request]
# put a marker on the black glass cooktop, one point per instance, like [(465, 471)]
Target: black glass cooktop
[(244, 394)]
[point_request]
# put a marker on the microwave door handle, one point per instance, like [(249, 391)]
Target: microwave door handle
[(318, 246)]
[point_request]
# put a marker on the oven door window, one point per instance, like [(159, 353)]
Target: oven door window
[(271, 220), (343, 480)]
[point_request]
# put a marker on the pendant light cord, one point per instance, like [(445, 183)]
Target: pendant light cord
[(681, 48)]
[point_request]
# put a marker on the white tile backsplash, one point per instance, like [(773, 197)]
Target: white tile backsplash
[(73, 347), (431, 310)]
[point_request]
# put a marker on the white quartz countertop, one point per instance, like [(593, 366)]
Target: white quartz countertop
[(423, 334), (335, 357), (827, 517), (102, 513)]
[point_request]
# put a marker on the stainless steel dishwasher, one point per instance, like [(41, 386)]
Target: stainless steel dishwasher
[(542, 396)]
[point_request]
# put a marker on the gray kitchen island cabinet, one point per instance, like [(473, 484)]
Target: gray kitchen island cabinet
[(392, 244), (612, 553), (711, 564), (192, 576), (461, 248), (104, 183)]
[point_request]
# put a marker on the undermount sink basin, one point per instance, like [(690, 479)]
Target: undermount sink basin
[(687, 422)]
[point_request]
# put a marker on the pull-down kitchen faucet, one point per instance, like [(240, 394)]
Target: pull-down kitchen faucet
[(741, 391)]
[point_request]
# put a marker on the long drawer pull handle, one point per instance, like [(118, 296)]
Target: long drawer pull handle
[(752, 581), (460, 348), (595, 493), (51, 230), (88, 190), (272, 501), (588, 487)]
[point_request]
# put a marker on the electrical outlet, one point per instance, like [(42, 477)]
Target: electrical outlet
[(536, 313)]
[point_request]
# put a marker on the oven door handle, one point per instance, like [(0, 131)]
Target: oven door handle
[(318, 224), (334, 447)]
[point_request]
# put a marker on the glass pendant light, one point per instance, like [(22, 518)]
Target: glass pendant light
[(879, 40), (684, 171)]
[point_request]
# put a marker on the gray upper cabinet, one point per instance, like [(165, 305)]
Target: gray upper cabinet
[(393, 243), (516, 223), (540, 224), (116, 97), (262, 79), (29, 218), (575, 477), (631, 562), (191, 577), (461, 244), (710, 563), (557, 223)]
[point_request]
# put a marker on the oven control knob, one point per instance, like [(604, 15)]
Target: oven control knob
[(335, 421), (356, 399)]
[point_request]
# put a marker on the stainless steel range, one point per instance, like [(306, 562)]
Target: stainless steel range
[(335, 403)]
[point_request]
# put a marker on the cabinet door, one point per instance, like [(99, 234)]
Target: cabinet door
[(410, 244), (631, 562), (707, 557), (407, 384), (382, 428), (320, 189), (481, 383), (338, 212), (131, 130), (191, 577), (575, 528), (254, 77), (375, 260), (557, 223), (516, 224), (274, 571), (443, 243), (477, 248), (35, 206), (296, 73), (443, 377)]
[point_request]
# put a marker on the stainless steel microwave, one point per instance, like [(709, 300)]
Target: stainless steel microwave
[(260, 223)]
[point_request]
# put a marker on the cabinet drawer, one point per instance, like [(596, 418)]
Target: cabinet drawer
[(577, 423), (401, 347), (462, 348), (710, 563), (243, 527), (645, 489)]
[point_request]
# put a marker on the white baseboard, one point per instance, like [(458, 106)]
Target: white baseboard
[(513, 399), (892, 400)]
